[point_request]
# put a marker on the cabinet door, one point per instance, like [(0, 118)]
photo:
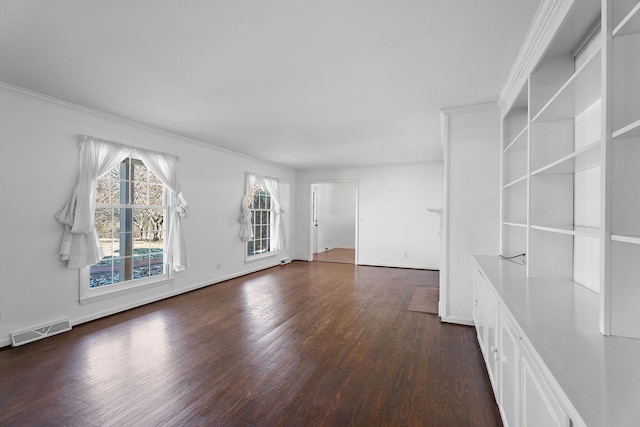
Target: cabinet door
[(491, 325), (538, 405), (479, 286), (508, 376)]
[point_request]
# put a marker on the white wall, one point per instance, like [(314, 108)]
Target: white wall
[(394, 227), (336, 215), (38, 139), (471, 218)]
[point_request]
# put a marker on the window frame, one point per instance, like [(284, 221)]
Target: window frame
[(89, 295), (272, 252)]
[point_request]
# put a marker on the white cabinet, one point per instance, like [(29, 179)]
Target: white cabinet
[(508, 369), (491, 325), (538, 406), (524, 398), (479, 287), (485, 319)]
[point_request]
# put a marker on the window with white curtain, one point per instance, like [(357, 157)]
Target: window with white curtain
[(123, 222), (262, 226), (261, 207)]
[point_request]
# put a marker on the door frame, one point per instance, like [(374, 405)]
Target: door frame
[(355, 220)]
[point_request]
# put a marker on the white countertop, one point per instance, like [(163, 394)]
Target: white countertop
[(600, 375)]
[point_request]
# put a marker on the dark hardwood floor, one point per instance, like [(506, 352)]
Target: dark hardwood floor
[(298, 345), (342, 255)]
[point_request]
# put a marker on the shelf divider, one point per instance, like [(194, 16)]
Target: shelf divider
[(571, 98), (585, 158), (634, 240), (515, 182), (519, 143), (630, 24), (569, 229), (629, 131)]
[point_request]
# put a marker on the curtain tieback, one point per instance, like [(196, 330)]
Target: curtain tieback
[(181, 206)]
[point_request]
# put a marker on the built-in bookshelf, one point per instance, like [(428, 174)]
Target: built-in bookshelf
[(623, 173), (571, 161), (515, 176)]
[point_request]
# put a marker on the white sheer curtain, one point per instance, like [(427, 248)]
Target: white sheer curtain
[(80, 246), (278, 241), (246, 227), (164, 167)]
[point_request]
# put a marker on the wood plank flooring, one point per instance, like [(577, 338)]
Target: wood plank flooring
[(341, 255), (305, 344)]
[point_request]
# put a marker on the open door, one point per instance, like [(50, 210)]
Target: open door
[(334, 222)]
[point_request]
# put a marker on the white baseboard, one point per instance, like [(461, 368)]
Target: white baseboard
[(4, 342), (457, 320)]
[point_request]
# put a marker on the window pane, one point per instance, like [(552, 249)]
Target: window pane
[(114, 173), (101, 274), (140, 218), (140, 245), (156, 261), (140, 266), (103, 191), (140, 194), (262, 201), (265, 217), (154, 179), (155, 195), (154, 224), (250, 248), (139, 171), (157, 243), (106, 242), (105, 220)]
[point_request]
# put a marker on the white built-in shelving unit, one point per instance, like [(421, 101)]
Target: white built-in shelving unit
[(560, 332), (622, 282), (571, 160)]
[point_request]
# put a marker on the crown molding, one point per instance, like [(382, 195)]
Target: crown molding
[(545, 23), (474, 107)]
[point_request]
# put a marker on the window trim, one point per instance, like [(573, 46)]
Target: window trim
[(89, 295)]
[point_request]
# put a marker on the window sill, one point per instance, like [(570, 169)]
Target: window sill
[(112, 291), (259, 257)]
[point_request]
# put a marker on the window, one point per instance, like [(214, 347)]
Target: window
[(123, 222), (261, 207), (130, 221)]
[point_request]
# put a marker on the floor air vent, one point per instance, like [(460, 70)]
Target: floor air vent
[(39, 332)]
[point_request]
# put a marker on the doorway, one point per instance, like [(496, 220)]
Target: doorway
[(334, 226)]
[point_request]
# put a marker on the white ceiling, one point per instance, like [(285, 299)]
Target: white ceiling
[(306, 84)]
